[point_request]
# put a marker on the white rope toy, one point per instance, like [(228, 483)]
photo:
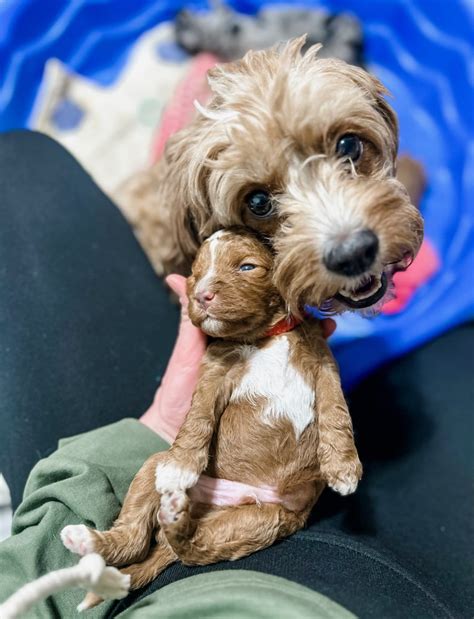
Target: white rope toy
[(90, 573)]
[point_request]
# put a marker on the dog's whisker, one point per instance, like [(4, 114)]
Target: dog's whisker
[(353, 168), (312, 158)]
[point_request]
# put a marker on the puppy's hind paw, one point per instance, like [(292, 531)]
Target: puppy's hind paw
[(78, 539)]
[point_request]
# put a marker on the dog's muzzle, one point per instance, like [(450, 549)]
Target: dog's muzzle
[(354, 257)]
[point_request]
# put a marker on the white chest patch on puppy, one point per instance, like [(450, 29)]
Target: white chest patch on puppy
[(271, 375)]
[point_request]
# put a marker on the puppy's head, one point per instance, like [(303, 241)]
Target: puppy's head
[(303, 151), (231, 291)]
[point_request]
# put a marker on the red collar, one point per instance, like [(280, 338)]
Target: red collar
[(283, 326)]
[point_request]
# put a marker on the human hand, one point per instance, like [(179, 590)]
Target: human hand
[(173, 398)]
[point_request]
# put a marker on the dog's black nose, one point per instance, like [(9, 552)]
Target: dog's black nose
[(354, 255)]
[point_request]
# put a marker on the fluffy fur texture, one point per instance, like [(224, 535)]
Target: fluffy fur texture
[(266, 411), (273, 123)]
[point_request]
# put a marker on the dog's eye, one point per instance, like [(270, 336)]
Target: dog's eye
[(349, 147), (247, 267), (260, 203)]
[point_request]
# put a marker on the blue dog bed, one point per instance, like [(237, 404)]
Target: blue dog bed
[(419, 48)]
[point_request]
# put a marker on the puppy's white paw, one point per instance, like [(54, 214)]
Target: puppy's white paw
[(78, 539), (344, 478), (344, 486), (170, 478), (172, 505)]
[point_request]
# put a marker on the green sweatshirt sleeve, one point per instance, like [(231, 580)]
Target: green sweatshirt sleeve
[(84, 481)]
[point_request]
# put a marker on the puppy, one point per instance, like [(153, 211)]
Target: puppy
[(302, 150), (268, 412)]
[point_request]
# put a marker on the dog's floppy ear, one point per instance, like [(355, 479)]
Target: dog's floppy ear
[(374, 91), (377, 92), (184, 184)]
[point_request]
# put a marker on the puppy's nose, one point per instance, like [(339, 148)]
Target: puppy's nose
[(204, 298), (354, 255)]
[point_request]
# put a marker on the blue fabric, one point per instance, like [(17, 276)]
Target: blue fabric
[(419, 48)]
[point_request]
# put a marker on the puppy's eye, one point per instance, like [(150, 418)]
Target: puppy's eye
[(260, 203), (349, 147), (247, 267)]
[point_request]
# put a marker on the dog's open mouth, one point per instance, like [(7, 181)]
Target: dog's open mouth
[(367, 293), (373, 286)]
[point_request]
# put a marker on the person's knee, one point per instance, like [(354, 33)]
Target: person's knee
[(39, 179), (22, 143), (30, 155)]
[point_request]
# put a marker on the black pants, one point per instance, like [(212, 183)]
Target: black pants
[(85, 333)]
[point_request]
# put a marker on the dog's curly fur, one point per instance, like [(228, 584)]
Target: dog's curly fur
[(274, 122)]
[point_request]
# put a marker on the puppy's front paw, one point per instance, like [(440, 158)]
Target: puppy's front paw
[(78, 539), (345, 478), (171, 478), (345, 486), (172, 506)]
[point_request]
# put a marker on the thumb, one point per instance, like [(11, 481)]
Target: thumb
[(191, 341), (173, 398), (177, 283)]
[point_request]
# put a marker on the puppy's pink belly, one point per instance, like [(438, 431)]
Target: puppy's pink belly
[(226, 493)]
